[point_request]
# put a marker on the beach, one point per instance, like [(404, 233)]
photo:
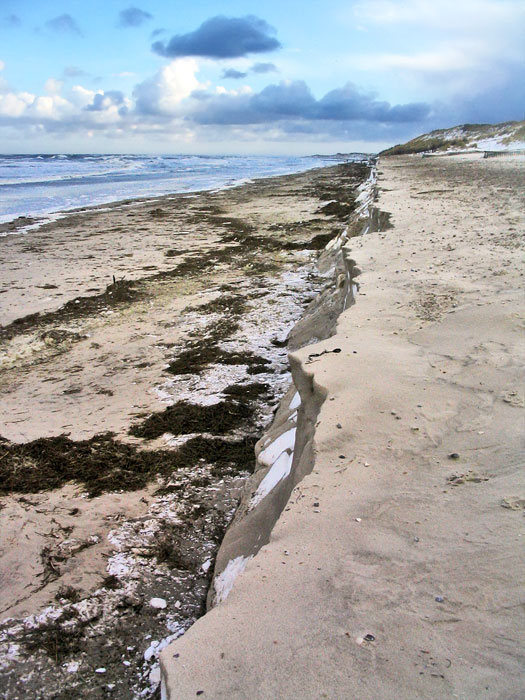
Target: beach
[(394, 568), (271, 436), (144, 350)]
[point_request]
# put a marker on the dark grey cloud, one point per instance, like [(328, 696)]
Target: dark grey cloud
[(492, 104), (264, 68), (64, 23), (233, 74), (12, 20), (222, 37), (133, 17), (348, 104), (284, 101), (295, 101), (102, 101)]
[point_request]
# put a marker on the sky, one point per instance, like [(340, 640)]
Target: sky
[(269, 77)]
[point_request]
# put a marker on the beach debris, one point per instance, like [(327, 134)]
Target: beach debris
[(154, 676), (513, 503), (457, 479), (339, 426), (358, 520), (453, 455), (439, 599), (369, 638), (319, 354), (100, 670), (152, 650), (158, 603), (513, 398)]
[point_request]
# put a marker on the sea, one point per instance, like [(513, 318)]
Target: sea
[(37, 186)]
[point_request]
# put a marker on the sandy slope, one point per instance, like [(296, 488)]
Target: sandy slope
[(396, 569)]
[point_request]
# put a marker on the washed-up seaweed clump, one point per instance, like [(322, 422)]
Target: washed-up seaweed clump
[(197, 358), (247, 391), (233, 304), (225, 455), (205, 349), (103, 464), (57, 638), (118, 292), (100, 464), (183, 418), (341, 210)]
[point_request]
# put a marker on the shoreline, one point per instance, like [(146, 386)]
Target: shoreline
[(210, 325), (392, 569), (24, 223), (40, 236)]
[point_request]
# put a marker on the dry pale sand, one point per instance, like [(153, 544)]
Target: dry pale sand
[(396, 569)]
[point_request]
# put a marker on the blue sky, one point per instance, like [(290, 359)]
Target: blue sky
[(294, 77)]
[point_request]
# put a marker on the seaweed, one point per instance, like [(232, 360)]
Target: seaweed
[(197, 358), (117, 292), (247, 391), (58, 638), (321, 240), (100, 464), (341, 210), (205, 351), (103, 464), (225, 456), (183, 418), (233, 304)]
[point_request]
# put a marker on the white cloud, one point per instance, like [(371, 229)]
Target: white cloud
[(244, 90), (81, 96), (471, 46), (14, 105), (50, 107), (451, 15), (165, 91), (53, 86), (2, 65)]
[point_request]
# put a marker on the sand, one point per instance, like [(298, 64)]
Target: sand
[(395, 569), (96, 308)]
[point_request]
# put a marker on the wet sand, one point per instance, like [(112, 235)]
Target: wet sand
[(110, 316), (394, 569)]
